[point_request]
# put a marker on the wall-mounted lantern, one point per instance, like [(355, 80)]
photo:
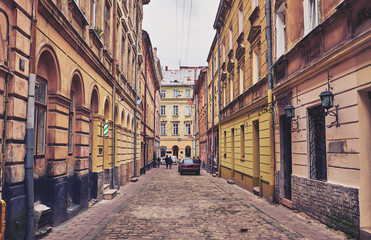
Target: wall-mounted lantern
[(327, 102), (290, 113)]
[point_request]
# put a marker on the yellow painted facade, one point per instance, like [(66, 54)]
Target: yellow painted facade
[(180, 140), (245, 132)]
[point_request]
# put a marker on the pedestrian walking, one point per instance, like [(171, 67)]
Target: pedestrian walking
[(167, 161), (170, 162), (158, 161)]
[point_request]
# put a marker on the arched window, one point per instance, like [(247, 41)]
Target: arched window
[(40, 116), (188, 151)]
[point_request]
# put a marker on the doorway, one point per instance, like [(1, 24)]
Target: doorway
[(286, 155), (256, 153), (175, 151)]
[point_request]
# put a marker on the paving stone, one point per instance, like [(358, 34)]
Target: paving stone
[(166, 205)]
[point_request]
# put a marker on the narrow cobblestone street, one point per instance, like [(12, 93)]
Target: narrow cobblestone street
[(166, 205)]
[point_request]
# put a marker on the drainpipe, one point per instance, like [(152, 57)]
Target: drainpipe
[(114, 94), (29, 181), (217, 160), (6, 96), (212, 114), (270, 87), (207, 123), (136, 95)]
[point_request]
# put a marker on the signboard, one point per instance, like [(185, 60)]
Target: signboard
[(105, 130)]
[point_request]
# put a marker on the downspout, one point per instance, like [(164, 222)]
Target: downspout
[(29, 181), (114, 94), (218, 162), (145, 116), (6, 98), (136, 94), (212, 114), (270, 87), (207, 123)]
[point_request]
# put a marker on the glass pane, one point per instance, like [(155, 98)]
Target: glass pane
[(35, 131), (41, 125), (40, 92)]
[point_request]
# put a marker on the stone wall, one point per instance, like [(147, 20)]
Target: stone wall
[(335, 205), (277, 187)]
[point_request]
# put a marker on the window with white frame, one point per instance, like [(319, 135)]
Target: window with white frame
[(40, 117), (188, 93), (230, 90), (163, 128), (176, 93), (92, 15), (281, 31), (188, 110), (240, 19), (175, 110), (163, 110), (188, 129), (230, 37), (223, 49), (175, 129), (70, 123), (255, 66), (255, 3), (311, 15), (241, 78), (163, 93)]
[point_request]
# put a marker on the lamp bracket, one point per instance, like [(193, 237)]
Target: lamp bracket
[(296, 122), (333, 113)]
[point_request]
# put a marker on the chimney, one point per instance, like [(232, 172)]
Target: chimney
[(155, 53)]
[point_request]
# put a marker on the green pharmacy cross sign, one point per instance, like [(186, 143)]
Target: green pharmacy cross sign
[(105, 130)]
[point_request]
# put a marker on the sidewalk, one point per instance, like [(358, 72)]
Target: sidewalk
[(311, 229), (89, 223)]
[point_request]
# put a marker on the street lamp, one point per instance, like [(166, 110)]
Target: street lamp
[(290, 114), (327, 102), (327, 99)]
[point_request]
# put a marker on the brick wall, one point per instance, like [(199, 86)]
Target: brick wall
[(334, 205)]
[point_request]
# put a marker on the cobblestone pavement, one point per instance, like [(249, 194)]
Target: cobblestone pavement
[(166, 205)]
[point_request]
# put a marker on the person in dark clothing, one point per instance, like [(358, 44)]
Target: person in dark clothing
[(158, 161), (170, 162), (167, 161)]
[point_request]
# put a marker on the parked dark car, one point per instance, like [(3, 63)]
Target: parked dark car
[(189, 165)]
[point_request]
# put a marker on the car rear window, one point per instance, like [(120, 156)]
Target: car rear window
[(190, 161)]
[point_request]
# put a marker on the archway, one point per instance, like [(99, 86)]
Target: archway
[(188, 151), (175, 151)]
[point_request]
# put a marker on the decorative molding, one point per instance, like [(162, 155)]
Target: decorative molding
[(254, 15), (254, 33), (95, 38), (240, 38), (240, 51), (76, 12)]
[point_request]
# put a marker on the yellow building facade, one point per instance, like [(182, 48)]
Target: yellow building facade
[(245, 133)]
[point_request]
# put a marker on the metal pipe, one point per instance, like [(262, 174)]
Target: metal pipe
[(136, 94), (270, 85), (6, 97), (29, 181), (212, 113), (207, 123), (217, 160), (114, 94)]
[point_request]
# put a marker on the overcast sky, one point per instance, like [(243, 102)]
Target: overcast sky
[(168, 27)]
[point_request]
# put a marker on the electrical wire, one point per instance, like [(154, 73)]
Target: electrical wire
[(189, 29)]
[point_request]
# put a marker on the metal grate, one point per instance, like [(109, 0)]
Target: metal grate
[(317, 143)]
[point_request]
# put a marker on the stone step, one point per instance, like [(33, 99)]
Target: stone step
[(256, 191), (106, 187), (230, 181), (365, 233), (110, 194), (134, 179)]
